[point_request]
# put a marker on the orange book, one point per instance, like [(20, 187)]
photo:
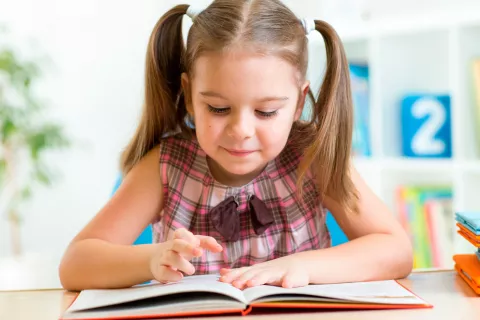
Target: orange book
[(468, 267), (205, 295), (468, 235)]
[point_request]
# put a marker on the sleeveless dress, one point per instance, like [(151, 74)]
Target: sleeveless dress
[(194, 200)]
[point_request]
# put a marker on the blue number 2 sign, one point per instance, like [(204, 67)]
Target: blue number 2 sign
[(426, 126)]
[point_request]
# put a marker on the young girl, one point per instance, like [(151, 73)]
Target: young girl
[(229, 177)]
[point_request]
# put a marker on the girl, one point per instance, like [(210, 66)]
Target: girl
[(229, 177)]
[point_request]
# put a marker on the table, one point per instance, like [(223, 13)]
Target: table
[(449, 294)]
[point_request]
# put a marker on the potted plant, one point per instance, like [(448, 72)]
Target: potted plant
[(26, 135)]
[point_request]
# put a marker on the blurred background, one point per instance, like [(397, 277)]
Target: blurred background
[(71, 85)]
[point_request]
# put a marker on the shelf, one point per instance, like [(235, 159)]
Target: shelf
[(419, 165), (409, 165), (470, 167)]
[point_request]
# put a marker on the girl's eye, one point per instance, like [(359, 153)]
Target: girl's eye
[(267, 114), (217, 110)]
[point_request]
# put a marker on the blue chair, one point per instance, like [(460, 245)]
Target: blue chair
[(338, 237), (336, 233)]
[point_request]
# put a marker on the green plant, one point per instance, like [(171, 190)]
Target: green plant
[(25, 135)]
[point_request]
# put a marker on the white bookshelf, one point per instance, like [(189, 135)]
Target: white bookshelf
[(426, 53)]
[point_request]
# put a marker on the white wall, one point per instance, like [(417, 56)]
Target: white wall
[(94, 86)]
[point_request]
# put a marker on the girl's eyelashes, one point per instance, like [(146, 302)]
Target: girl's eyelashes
[(267, 114), (263, 114), (217, 110)]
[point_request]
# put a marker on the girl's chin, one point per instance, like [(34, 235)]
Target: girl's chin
[(243, 170)]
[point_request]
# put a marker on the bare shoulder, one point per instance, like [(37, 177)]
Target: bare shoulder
[(136, 203)]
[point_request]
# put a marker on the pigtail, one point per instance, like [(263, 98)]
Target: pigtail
[(164, 108), (328, 152)]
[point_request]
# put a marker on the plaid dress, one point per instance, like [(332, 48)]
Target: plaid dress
[(190, 193)]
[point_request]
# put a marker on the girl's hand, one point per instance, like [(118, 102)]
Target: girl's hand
[(287, 272), (171, 258)]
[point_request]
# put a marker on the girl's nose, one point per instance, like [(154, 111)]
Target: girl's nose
[(241, 127)]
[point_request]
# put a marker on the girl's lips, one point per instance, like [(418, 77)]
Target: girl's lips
[(239, 153)]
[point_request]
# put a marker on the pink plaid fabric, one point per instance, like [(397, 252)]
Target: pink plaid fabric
[(190, 192)]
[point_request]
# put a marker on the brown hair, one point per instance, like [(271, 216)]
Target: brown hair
[(264, 26)]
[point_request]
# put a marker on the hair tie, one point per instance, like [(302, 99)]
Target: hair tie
[(193, 11), (308, 25)]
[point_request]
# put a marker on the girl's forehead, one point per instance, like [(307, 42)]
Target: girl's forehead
[(213, 66)]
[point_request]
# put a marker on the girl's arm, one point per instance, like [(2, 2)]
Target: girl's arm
[(101, 255), (378, 247)]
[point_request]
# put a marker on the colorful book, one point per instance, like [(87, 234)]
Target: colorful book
[(426, 213), (441, 231), (470, 220), (205, 295), (468, 268), (468, 235)]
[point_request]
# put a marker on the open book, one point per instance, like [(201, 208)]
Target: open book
[(204, 294)]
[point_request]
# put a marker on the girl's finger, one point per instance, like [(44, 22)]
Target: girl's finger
[(224, 271), (186, 235), (176, 261), (209, 243), (166, 274), (233, 274), (184, 248), (243, 279), (267, 276), (263, 277)]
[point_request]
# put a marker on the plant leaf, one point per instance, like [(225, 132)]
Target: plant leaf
[(26, 193), (3, 169), (48, 136), (8, 128), (42, 175)]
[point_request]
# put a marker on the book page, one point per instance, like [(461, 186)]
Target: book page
[(379, 292), (89, 299), (171, 305)]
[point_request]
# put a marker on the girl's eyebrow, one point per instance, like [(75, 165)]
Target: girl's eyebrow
[(264, 99), (212, 94)]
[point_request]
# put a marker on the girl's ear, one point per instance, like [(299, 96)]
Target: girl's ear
[(187, 93), (301, 100)]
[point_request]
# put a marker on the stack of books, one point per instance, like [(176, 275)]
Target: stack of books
[(468, 265)]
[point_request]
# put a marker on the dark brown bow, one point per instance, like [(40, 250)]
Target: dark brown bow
[(226, 220)]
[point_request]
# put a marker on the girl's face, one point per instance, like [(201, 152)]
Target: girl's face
[(244, 106)]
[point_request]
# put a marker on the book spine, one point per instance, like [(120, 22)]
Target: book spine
[(431, 215)]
